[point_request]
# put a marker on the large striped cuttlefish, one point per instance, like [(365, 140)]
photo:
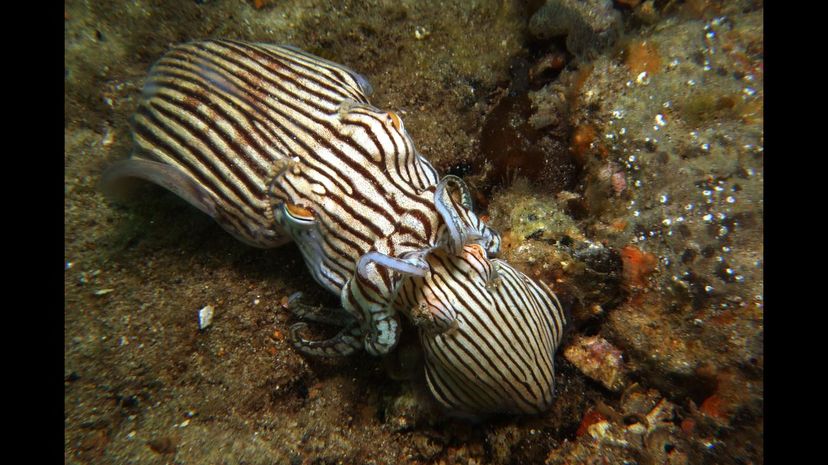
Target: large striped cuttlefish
[(278, 145)]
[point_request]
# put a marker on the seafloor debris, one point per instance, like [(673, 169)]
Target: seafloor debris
[(403, 411), (591, 24), (631, 436), (163, 445), (668, 132), (638, 265), (259, 4), (205, 317), (598, 359), (421, 33), (641, 56), (539, 235), (515, 143)]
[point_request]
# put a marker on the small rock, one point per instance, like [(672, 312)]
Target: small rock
[(637, 401), (421, 33), (205, 317), (587, 24), (646, 12), (638, 265), (403, 412), (426, 448), (163, 445), (599, 360)]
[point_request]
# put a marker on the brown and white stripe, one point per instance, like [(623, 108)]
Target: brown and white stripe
[(230, 115), (277, 145), (489, 333)]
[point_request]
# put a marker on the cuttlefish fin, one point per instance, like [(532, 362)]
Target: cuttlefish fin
[(116, 182), (362, 85)]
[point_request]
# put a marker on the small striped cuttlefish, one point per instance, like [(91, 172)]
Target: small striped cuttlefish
[(276, 145)]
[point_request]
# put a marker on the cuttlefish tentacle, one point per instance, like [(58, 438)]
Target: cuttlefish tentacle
[(462, 225), (458, 232), (317, 313), (379, 318), (346, 342)]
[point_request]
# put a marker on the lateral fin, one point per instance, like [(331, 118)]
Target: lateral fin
[(115, 182)]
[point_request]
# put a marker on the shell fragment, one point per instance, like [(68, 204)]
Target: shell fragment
[(205, 317)]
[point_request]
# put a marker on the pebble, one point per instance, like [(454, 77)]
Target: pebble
[(205, 317), (595, 357), (421, 33)]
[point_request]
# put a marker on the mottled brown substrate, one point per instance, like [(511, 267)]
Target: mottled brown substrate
[(667, 264), (682, 305)]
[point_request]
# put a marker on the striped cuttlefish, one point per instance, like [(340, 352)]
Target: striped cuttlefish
[(279, 145)]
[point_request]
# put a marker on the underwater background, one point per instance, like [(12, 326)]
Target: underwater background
[(616, 145)]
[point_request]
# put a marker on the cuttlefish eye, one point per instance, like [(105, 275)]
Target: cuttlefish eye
[(395, 120), (476, 250), (299, 213)]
